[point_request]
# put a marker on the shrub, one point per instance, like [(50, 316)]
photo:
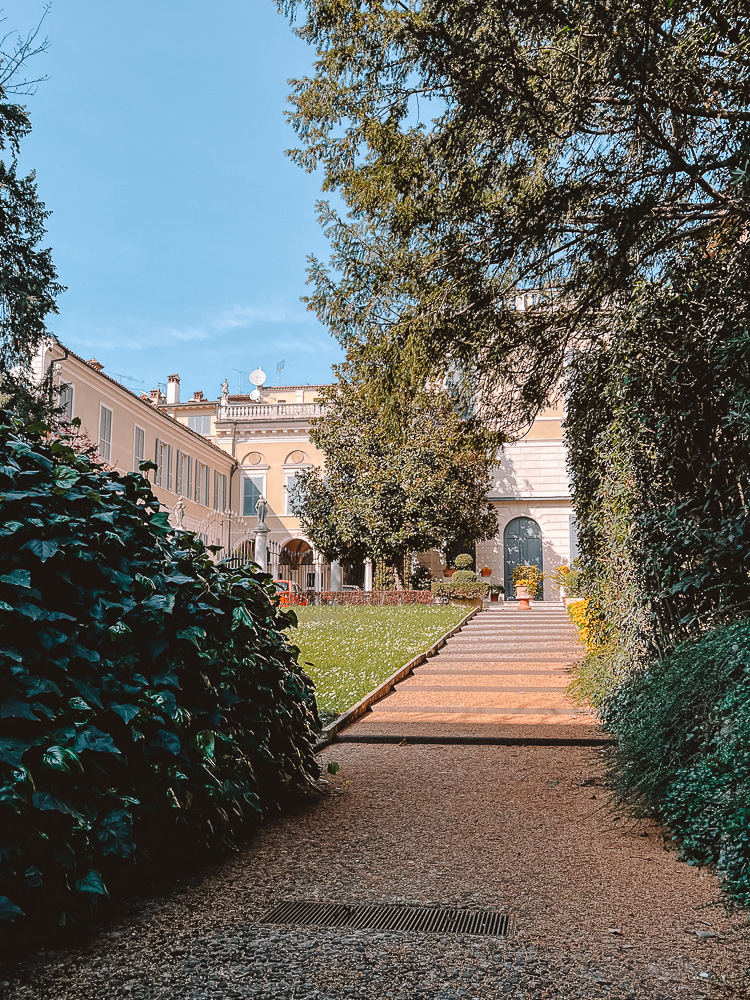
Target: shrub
[(683, 753), (463, 561), (452, 592), (463, 576), (149, 703)]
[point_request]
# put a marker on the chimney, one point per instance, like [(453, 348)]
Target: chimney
[(155, 397), (198, 396), (173, 390)]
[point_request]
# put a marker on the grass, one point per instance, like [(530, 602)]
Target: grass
[(348, 651)]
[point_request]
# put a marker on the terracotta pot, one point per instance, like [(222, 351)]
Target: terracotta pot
[(524, 597), (486, 572), (494, 596), (449, 572)]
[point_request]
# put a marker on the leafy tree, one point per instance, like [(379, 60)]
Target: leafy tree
[(389, 490), (28, 279), (485, 147)]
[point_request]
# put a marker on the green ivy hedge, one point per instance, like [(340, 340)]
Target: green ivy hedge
[(683, 753), (150, 705)]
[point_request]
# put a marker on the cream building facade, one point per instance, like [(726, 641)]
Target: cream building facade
[(268, 436), (194, 480), (216, 457)]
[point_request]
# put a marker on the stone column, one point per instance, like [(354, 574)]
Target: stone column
[(368, 574), (261, 547), (337, 575)]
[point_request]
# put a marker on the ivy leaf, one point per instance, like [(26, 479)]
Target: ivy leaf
[(8, 910), (12, 750), (94, 739), (18, 578), (169, 741), (65, 477), (49, 802), (91, 884), (43, 548), (126, 712), (60, 759)]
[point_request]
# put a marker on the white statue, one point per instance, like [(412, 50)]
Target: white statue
[(261, 509), (179, 511)]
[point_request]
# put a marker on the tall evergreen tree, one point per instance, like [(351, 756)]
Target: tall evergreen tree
[(28, 279), (487, 147)]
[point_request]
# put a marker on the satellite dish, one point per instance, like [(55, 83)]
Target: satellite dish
[(255, 395), (258, 377)]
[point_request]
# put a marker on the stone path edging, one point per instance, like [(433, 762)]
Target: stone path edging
[(357, 711)]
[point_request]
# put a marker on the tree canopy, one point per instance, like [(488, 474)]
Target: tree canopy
[(389, 491), (487, 147), (28, 279)]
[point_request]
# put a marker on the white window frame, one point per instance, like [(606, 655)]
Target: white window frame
[(261, 476), (105, 444), (287, 477), (137, 459), (68, 393)]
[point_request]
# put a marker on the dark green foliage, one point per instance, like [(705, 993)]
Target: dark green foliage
[(150, 705), (489, 147), (684, 749), (392, 489)]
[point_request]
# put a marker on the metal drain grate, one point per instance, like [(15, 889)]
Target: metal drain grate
[(429, 919)]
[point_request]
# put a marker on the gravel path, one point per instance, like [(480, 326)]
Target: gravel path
[(601, 908)]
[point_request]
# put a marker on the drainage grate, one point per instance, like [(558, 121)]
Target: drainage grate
[(429, 919)]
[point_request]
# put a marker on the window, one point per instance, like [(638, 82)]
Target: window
[(252, 488), (166, 457), (65, 402), (139, 448), (157, 463), (178, 472), (220, 491), (202, 424), (289, 480), (202, 481), (105, 433), (187, 476)]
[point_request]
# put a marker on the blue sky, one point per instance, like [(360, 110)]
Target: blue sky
[(178, 224)]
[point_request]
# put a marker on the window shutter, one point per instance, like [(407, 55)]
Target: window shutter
[(157, 462), (178, 472), (167, 474)]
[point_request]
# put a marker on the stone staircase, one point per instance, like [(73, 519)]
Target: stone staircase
[(501, 679)]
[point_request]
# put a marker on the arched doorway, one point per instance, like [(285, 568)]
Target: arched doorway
[(522, 546), (296, 563)]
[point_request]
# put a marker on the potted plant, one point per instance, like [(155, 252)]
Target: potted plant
[(526, 580), (449, 570), (486, 571), (496, 589)]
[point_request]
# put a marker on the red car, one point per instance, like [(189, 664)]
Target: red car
[(289, 592)]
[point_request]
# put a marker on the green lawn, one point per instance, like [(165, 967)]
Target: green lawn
[(348, 651)]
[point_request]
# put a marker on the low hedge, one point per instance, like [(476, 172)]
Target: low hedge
[(369, 597), (459, 592), (150, 706), (683, 754)]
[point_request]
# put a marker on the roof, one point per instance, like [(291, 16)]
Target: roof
[(144, 402)]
